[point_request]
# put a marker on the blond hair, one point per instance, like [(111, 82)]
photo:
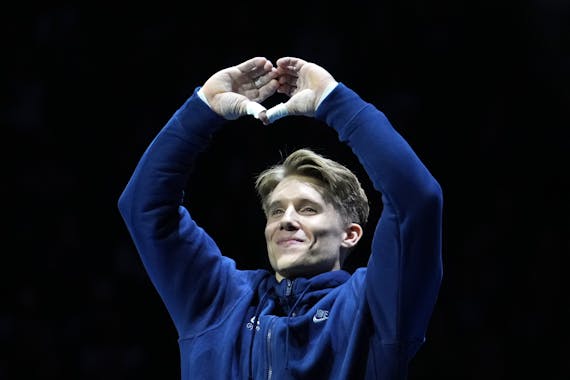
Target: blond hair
[(340, 186)]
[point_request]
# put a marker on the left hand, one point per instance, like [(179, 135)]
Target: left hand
[(304, 82)]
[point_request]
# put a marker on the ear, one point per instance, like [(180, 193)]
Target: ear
[(353, 235)]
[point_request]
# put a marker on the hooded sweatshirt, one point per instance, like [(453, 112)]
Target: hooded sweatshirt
[(243, 324)]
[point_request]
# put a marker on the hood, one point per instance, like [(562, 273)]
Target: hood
[(294, 295)]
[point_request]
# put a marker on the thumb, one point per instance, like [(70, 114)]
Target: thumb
[(232, 106), (254, 108), (301, 104), (276, 112)]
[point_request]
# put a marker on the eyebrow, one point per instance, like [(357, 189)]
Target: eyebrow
[(299, 200)]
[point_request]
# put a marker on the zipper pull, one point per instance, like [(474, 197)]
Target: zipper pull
[(289, 289)]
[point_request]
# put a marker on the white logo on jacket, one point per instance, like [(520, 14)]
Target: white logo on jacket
[(250, 324), (321, 316)]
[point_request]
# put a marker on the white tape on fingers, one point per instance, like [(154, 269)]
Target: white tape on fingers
[(276, 112), (254, 108)]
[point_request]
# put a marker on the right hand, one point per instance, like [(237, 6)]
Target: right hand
[(231, 90)]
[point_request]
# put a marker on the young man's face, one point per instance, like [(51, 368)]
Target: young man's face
[(304, 233)]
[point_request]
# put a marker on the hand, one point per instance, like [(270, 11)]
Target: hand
[(236, 91), (304, 82)]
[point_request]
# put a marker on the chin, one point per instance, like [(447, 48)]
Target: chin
[(288, 269), (299, 270)]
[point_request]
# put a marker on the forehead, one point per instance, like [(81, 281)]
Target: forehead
[(297, 187)]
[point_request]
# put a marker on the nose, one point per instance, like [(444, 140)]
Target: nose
[(289, 220)]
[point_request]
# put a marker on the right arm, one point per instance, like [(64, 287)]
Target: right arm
[(182, 261)]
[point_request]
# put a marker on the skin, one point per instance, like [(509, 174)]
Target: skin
[(229, 91), (305, 235), (301, 241)]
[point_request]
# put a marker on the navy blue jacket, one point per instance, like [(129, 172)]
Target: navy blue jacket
[(240, 324)]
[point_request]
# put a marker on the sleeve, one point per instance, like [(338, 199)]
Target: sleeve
[(404, 271), (184, 264)]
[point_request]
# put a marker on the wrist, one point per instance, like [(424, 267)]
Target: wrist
[(202, 96), (330, 87)]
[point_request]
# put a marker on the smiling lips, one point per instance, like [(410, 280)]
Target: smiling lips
[(286, 242)]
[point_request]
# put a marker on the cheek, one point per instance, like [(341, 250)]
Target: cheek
[(269, 228), (328, 234)]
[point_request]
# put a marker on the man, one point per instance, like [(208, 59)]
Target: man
[(308, 318)]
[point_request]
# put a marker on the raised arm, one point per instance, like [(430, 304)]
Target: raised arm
[(183, 262), (405, 270)]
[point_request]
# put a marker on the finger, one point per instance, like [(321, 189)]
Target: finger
[(254, 109), (288, 80), (286, 89), (287, 72), (263, 117), (251, 64), (268, 66), (276, 112), (255, 67), (290, 65), (268, 89), (264, 79)]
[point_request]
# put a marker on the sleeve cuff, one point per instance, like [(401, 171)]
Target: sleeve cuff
[(327, 91), (203, 97)]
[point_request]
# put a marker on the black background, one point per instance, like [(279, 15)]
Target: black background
[(479, 89)]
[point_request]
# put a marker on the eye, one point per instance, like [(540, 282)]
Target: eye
[(308, 210), (276, 212)]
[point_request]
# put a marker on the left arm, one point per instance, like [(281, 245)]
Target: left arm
[(405, 269)]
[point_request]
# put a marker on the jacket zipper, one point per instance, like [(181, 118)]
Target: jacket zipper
[(289, 289), (268, 339), (288, 292)]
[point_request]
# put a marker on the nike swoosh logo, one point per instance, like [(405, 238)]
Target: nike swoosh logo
[(320, 316)]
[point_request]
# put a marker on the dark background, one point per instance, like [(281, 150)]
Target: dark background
[(480, 89)]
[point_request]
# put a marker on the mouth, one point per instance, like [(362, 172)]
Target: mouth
[(288, 242)]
